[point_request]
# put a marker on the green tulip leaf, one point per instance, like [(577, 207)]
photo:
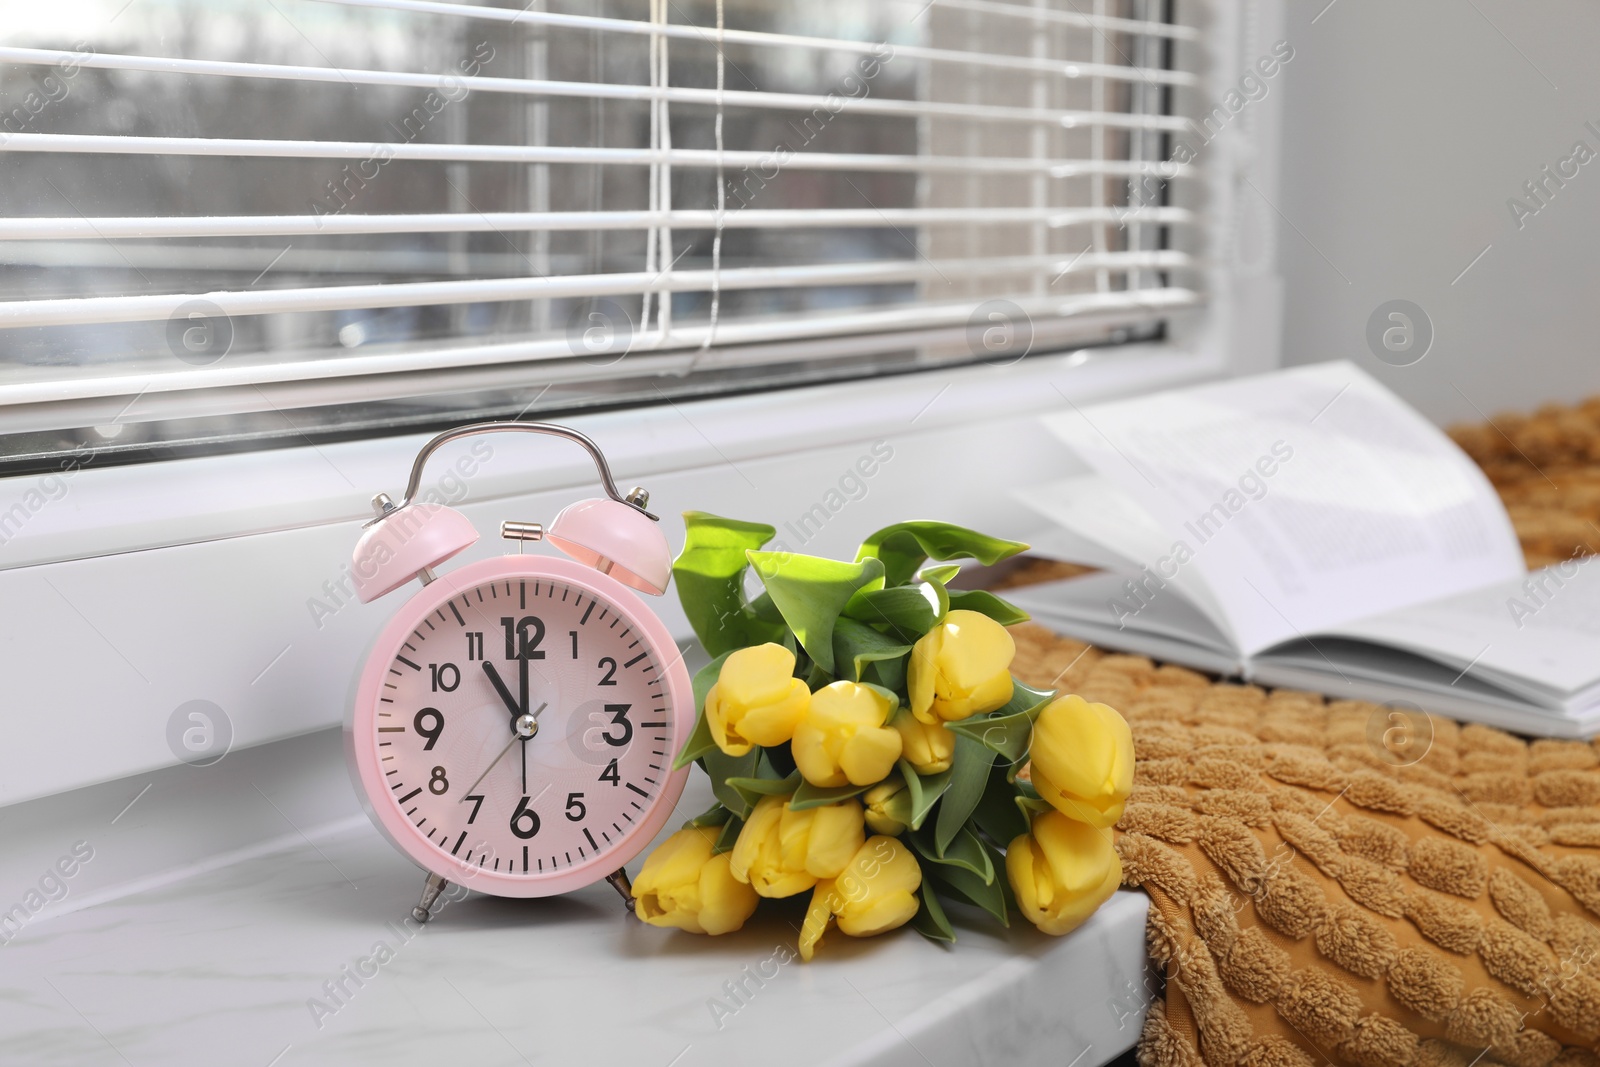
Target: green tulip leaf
[(1031, 806), (700, 740), (905, 546), (964, 851), (969, 774), (856, 646), (933, 588), (776, 762), (817, 678), (807, 795), (997, 814), (939, 575), (753, 789), (764, 609), (1008, 730), (925, 791), (721, 767), (930, 920), (964, 885), (986, 603), (1025, 697), (710, 575), (728, 837), (909, 611), (715, 815), (811, 592), (889, 673)]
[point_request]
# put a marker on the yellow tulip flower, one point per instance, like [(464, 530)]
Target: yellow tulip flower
[(1062, 871), (683, 885), (876, 892), (959, 668), (1083, 760), (888, 806), (781, 852), (757, 700), (843, 740), (928, 747)]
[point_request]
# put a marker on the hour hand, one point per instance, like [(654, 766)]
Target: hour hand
[(513, 705)]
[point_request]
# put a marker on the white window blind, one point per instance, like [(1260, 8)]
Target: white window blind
[(221, 219)]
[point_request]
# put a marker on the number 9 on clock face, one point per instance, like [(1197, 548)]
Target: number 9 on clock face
[(515, 727)]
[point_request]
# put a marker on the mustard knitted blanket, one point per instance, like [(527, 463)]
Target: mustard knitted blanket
[(1327, 890)]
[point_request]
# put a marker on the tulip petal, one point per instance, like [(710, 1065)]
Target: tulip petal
[(922, 674), (725, 902), (991, 694), (813, 759), (753, 837), (928, 747), (774, 723), (870, 755), (1102, 816), (667, 891), (722, 732), (880, 915), (818, 916), (1083, 753), (837, 832), (1061, 871), (975, 649), (757, 675)]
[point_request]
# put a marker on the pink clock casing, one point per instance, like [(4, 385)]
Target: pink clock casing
[(360, 726)]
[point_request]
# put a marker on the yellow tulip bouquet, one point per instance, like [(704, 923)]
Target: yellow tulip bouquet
[(866, 742)]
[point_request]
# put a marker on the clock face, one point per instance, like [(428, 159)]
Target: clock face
[(524, 727)]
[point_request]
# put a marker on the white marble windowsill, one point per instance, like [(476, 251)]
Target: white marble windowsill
[(224, 960)]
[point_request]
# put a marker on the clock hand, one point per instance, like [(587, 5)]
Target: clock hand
[(522, 680), (525, 726), (517, 708)]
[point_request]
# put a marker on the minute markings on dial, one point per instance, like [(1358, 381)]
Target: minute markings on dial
[(461, 718)]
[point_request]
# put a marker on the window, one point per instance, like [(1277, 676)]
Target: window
[(230, 223)]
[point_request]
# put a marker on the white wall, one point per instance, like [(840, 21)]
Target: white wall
[(1407, 126)]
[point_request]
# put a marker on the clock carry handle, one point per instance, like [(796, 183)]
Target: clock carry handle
[(614, 534), (636, 499)]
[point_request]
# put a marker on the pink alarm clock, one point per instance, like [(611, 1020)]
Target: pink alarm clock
[(514, 726)]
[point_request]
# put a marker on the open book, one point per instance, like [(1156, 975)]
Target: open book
[(1306, 528)]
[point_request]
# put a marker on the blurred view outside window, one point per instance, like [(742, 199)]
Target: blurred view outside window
[(226, 223)]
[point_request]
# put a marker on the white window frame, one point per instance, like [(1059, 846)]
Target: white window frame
[(144, 586)]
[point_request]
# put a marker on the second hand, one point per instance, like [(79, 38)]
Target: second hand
[(525, 727)]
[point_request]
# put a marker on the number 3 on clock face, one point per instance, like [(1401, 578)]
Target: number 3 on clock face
[(515, 725)]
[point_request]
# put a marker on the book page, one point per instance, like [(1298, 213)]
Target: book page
[(1538, 635), (1099, 525), (1171, 628), (1302, 499)]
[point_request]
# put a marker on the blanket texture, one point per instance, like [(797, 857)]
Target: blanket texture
[(1341, 883)]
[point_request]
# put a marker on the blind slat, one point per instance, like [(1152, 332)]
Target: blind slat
[(1047, 16), (151, 308), (703, 35), (84, 228), (285, 148), (889, 322), (775, 101)]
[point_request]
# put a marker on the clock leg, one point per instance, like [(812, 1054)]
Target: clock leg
[(619, 881), (430, 893)]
